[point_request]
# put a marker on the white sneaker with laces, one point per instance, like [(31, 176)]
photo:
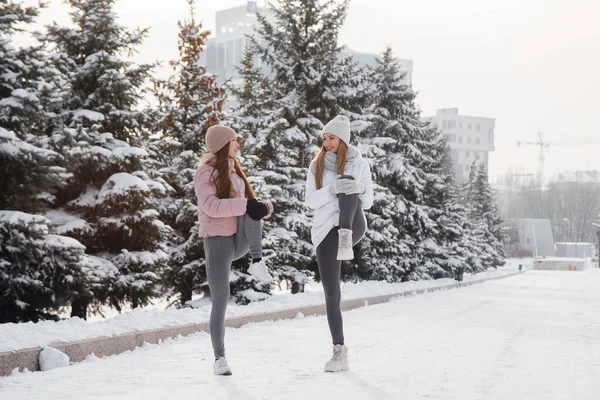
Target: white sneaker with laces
[(260, 271), (220, 367), (339, 360), (345, 251)]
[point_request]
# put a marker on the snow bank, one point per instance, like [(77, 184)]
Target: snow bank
[(25, 335), (51, 358)]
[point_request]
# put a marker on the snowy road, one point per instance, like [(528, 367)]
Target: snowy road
[(532, 336)]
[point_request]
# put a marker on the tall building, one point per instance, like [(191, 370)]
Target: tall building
[(225, 50), (470, 139)]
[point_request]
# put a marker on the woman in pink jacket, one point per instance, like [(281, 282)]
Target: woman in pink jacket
[(231, 225)]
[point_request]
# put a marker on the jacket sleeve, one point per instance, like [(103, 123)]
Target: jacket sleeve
[(366, 198), (206, 192), (316, 198)]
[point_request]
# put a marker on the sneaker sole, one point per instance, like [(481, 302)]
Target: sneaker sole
[(344, 368), (226, 373), (262, 280), (258, 279)]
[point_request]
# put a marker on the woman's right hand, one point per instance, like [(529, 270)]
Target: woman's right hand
[(256, 210)]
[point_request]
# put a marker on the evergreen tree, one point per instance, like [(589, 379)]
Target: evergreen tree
[(252, 118), (483, 214), (106, 87), (111, 202), (39, 272), (399, 209), (307, 84), (456, 247), (32, 91), (190, 101)]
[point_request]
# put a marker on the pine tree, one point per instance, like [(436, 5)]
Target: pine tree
[(39, 272), (106, 87), (398, 160), (31, 94), (111, 204), (191, 101), (483, 214), (456, 247), (252, 118), (307, 87)]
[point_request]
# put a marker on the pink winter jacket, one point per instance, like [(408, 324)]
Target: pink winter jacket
[(218, 217)]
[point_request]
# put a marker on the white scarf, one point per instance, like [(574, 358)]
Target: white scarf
[(352, 155)]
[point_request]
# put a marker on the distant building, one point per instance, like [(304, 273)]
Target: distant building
[(471, 139), (535, 235), (581, 249), (225, 50), (578, 177)]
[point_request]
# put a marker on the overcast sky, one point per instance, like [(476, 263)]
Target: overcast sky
[(533, 65)]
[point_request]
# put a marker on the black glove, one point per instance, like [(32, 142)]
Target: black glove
[(256, 210)]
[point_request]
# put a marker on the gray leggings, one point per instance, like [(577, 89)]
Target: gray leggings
[(220, 252), (351, 217)]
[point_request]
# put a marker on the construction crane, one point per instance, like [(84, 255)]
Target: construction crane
[(544, 145)]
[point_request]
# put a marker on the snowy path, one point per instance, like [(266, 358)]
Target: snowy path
[(532, 336)]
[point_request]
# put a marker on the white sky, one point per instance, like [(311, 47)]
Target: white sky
[(532, 65)]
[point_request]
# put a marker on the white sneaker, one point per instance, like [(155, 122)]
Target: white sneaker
[(260, 271), (339, 360), (220, 367), (345, 251)]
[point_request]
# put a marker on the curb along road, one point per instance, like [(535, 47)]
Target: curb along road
[(111, 345)]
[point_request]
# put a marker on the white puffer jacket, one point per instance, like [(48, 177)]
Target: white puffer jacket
[(326, 206)]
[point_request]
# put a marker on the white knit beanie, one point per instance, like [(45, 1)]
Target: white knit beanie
[(340, 127)]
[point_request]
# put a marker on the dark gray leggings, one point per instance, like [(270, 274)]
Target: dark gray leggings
[(351, 217), (220, 252)]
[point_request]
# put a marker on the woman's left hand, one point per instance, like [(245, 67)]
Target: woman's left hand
[(351, 186)]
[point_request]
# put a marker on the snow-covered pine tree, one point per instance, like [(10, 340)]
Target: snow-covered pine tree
[(32, 91), (103, 80), (455, 246), (252, 118), (482, 210), (111, 204), (190, 102), (39, 272), (399, 210), (306, 87)]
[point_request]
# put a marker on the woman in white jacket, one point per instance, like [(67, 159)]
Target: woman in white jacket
[(338, 189)]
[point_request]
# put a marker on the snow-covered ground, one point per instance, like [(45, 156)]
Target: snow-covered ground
[(531, 336), (20, 336)]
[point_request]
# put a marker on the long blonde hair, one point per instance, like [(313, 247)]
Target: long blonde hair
[(223, 180), (319, 163)]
